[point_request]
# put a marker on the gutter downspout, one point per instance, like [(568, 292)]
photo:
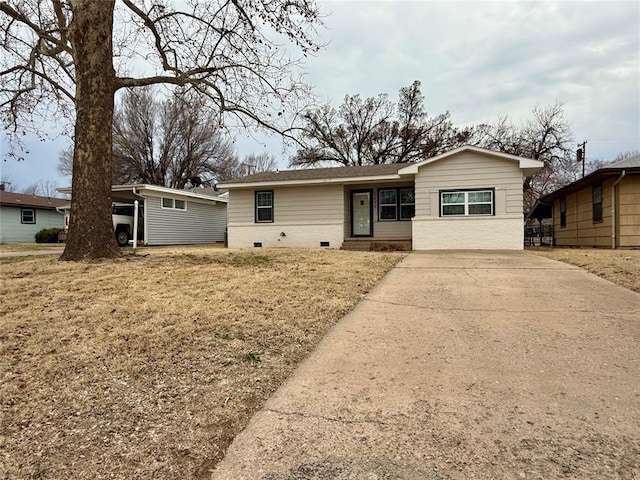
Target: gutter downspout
[(135, 221), (613, 209)]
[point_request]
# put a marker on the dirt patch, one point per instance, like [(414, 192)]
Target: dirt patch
[(618, 266), (148, 366)]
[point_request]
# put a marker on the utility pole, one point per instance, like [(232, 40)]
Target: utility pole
[(581, 154)]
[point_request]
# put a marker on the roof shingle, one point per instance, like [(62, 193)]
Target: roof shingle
[(25, 200), (320, 173)]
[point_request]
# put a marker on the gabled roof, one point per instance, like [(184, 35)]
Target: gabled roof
[(341, 175), (528, 165), (34, 201), (630, 166), (629, 162)]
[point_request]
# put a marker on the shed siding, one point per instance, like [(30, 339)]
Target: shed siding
[(199, 223), (580, 229), (13, 231), (303, 217), (469, 170), (629, 212)]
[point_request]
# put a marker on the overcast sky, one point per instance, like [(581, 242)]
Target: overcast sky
[(478, 60)]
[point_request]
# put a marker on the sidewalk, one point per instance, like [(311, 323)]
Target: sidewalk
[(461, 365)]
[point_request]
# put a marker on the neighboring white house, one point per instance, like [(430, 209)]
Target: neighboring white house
[(174, 217), (468, 198), (22, 216)]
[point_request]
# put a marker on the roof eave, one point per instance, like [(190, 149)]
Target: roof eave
[(314, 181), (586, 181), (140, 187)]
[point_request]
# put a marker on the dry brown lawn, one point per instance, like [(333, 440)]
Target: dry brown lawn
[(148, 366), (23, 247), (618, 266)]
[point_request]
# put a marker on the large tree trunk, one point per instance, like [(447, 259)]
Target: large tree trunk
[(90, 229)]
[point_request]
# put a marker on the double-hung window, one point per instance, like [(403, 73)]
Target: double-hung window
[(264, 206), (467, 202), (396, 204), (597, 203)]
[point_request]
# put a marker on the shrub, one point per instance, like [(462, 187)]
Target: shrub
[(48, 235)]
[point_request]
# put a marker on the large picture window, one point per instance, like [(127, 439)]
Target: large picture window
[(467, 203), (597, 203), (264, 206), (396, 204)]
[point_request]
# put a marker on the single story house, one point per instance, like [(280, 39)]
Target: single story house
[(23, 215), (467, 198), (600, 210), (174, 217)]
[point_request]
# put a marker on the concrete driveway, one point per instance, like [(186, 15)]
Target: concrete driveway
[(461, 365)]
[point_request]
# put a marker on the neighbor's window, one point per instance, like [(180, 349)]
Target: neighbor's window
[(466, 203), (28, 215), (174, 204), (563, 212), (597, 203), (264, 206), (396, 204)]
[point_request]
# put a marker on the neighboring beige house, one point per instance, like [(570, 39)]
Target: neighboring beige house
[(468, 198), (600, 210)]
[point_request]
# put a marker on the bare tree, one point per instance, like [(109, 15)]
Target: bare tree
[(375, 131), (546, 137), (250, 164), (43, 188), (65, 161), (58, 60), (166, 142)]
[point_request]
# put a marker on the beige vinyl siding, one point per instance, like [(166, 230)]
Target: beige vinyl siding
[(581, 230), (381, 230), (306, 216), (470, 170), (311, 204), (201, 222), (629, 212)]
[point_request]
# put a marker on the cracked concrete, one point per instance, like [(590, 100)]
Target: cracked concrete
[(526, 368)]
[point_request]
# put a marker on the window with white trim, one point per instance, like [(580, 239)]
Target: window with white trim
[(396, 204), (264, 206), (173, 204), (28, 215), (467, 202)]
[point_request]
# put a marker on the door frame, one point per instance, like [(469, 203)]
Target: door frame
[(370, 192)]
